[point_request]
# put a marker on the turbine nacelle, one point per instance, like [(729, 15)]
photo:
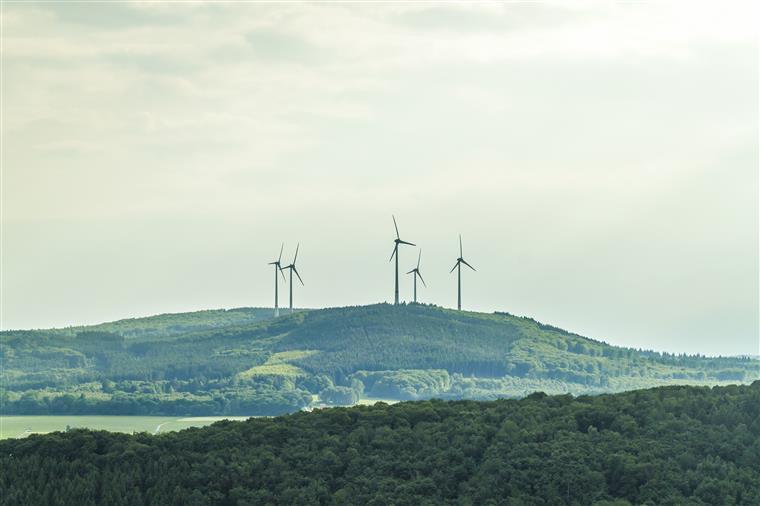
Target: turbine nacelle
[(396, 243), (278, 268), (458, 268), (292, 266), (461, 259), (277, 263), (417, 273), (416, 270)]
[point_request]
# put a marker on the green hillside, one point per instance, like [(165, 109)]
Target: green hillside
[(170, 324), (669, 446), (244, 362)]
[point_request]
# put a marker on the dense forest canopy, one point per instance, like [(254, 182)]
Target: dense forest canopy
[(668, 445), (245, 362)]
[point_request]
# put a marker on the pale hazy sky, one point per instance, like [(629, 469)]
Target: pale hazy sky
[(599, 158)]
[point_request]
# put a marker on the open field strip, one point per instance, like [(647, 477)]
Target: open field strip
[(22, 426), (371, 401), (279, 365)]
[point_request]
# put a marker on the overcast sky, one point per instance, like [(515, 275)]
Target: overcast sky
[(600, 160)]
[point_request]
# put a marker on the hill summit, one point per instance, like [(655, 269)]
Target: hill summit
[(242, 361)]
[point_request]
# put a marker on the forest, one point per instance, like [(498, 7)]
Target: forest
[(244, 362), (668, 445)]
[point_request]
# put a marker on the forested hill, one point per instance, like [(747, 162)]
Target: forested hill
[(245, 362), (169, 324), (669, 445)]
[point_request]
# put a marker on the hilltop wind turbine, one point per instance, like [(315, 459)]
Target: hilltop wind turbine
[(398, 241), (292, 268), (416, 272), (277, 269), (458, 267)]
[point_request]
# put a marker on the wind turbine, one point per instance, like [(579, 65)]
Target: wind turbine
[(416, 272), (398, 241), (277, 269), (292, 268), (458, 267)]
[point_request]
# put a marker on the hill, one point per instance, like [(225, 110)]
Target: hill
[(669, 445), (244, 362)]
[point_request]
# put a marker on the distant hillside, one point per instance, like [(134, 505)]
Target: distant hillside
[(170, 324), (669, 445), (244, 362)]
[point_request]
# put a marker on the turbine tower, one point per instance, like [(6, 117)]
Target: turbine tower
[(292, 268), (458, 267), (277, 270), (395, 253), (416, 272)]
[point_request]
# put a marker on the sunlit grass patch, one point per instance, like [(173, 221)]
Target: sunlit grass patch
[(278, 365)]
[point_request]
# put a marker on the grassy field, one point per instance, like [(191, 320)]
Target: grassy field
[(278, 365), (371, 401), (22, 426)]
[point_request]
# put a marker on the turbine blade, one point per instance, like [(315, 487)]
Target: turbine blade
[(410, 271), (460, 246), (455, 266), (423, 281), (468, 265), (419, 257), (283, 274), (296, 255), (394, 252), (395, 225), (404, 242), (299, 276), (281, 248)]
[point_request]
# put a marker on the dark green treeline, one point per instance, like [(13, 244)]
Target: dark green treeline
[(668, 445)]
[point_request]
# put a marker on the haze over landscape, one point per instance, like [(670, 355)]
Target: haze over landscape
[(601, 162), (228, 231)]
